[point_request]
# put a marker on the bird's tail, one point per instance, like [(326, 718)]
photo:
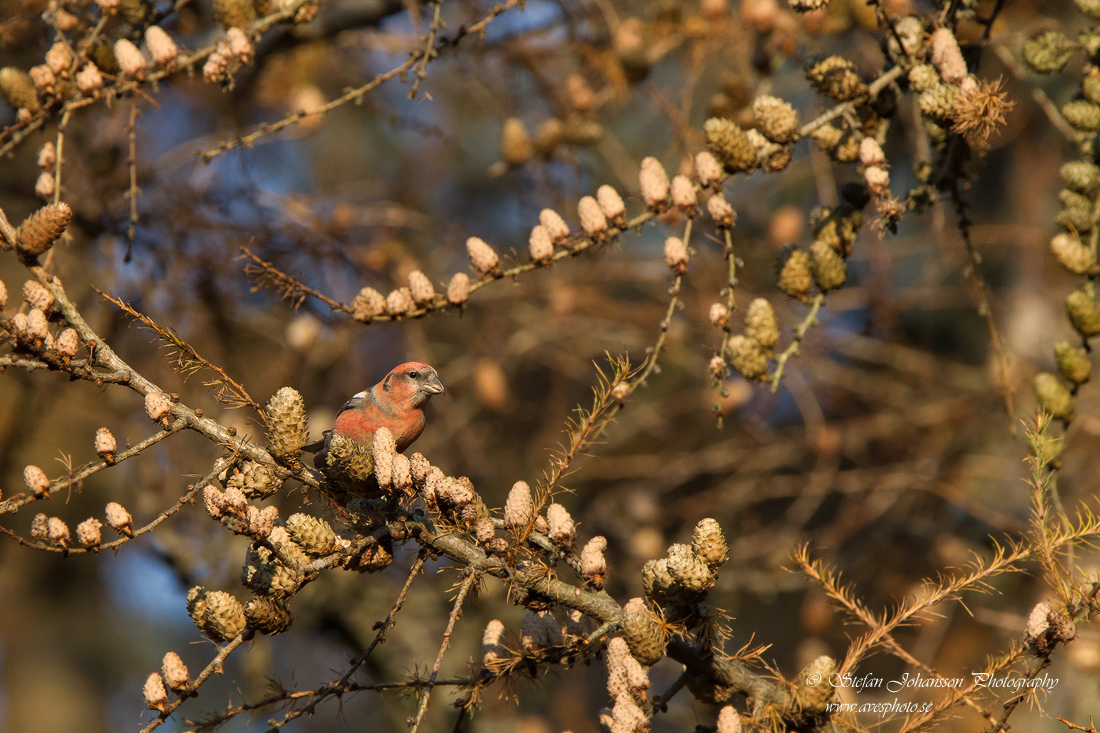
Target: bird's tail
[(317, 444)]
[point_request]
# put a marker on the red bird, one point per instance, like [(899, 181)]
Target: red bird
[(397, 403)]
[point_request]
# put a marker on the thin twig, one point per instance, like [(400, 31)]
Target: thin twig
[(660, 703), (353, 94), (291, 286), (429, 51), (89, 44), (342, 685), (1024, 690), (974, 275), (126, 85), (183, 501), (291, 696), (587, 428), (794, 348), (472, 577), (731, 306), (59, 148), (964, 693), (189, 359), (112, 363), (887, 78), (1042, 494), (215, 667), (13, 503), (1040, 97), (859, 611), (595, 431), (572, 248), (977, 572), (19, 134), (673, 303), (131, 231), (1090, 728)]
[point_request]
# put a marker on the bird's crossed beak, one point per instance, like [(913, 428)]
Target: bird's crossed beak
[(434, 386)]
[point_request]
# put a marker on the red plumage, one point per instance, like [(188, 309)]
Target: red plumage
[(397, 403)]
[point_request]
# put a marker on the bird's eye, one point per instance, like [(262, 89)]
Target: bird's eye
[(413, 375)]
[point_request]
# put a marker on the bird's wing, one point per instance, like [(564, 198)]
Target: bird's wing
[(356, 402), (320, 447)]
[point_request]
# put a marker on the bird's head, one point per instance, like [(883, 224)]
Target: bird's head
[(414, 381)]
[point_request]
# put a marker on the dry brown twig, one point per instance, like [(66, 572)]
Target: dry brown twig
[(356, 94), (472, 578), (189, 360), (344, 684)]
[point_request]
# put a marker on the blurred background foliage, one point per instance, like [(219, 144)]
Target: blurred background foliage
[(887, 445)]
